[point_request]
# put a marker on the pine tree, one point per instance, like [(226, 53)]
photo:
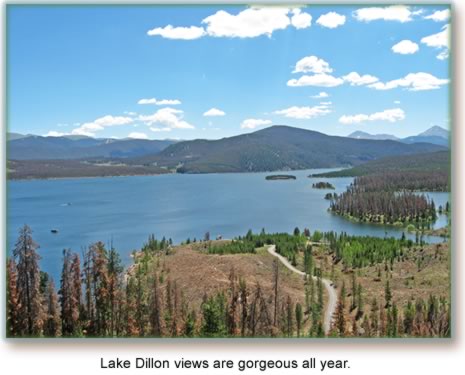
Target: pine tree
[(244, 306), (30, 312), (340, 320), (387, 295), (131, 328), (12, 314), (156, 309), (101, 289), (289, 314), (275, 289), (374, 317), (115, 272), (298, 317), (70, 293), (52, 326)]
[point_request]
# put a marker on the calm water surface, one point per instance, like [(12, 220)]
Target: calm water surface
[(126, 210)]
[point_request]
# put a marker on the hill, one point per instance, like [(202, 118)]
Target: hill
[(276, 148), (40, 169), (432, 162), (40, 148)]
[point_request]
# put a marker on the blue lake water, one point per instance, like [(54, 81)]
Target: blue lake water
[(125, 210)]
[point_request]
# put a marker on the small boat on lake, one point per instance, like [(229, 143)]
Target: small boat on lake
[(54, 231)]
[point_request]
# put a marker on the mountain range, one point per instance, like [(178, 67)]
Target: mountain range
[(276, 148), (435, 135), (33, 147)]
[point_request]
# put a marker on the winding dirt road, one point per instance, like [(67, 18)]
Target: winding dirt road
[(332, 301)]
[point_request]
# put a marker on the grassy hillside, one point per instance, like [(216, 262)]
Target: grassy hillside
[(277, 148)]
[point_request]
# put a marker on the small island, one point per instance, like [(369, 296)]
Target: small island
[(281, 177), (323, 185), (331, 196)]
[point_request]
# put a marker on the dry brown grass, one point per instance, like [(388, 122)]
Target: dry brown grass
[(197, 273), (407, 280)]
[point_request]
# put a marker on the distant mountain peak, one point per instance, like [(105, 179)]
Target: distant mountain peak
[(435, 131)]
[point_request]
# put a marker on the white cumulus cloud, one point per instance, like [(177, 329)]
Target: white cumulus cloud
[(249, 23), (166, 118), (137, 135), (312, 64), (159, 102), (391, 115), (439, 15), (90, 128), (331, 20), (183, 33), (413, 82), (400, 13), (300, 20), (356, 79), (214, 112), (304, 112), (252, 123), (405, 47), (440, 40), (322, 80)]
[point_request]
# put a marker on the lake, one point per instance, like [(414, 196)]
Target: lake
[(125, 210)]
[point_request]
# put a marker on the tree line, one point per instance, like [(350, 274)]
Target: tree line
[(373, 199), (97, 297)]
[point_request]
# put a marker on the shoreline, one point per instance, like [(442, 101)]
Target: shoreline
[(159, 174)]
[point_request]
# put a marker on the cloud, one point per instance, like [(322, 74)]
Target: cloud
[(129, 113), (312, 64), (326, 103), (165, 129), (167, 118), (136, 135), (439, 15), (249, 23), (356, 79), (396, 101), (412, 82), (439, 40), (252, 123), (443, 55), (214, 112), (159, 102), (399, 13), (53, 133), (89, 128), (183, 33), (391, 115), (322, 80), (331, 20), (320, 95), (300, 20), (304, 112), (405, 47)]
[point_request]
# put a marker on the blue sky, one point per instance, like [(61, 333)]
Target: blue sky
[(219, 71)]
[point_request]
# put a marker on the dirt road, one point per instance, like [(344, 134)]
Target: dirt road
[(332, 301)]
